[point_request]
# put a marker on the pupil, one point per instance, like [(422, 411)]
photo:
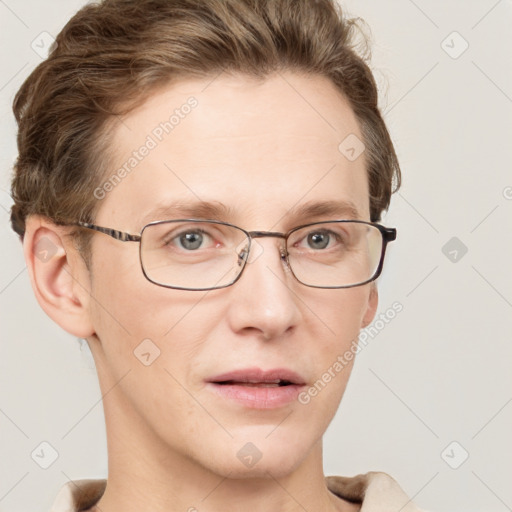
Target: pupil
[(191, 240), (318, 240)]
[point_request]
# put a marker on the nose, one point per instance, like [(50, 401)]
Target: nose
[(264, 300)]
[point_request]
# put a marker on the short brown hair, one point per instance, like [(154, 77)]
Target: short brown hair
[(63, 109)]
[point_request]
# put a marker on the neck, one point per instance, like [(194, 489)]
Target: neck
[(145, 473)]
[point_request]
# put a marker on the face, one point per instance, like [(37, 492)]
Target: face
[(261, 150)]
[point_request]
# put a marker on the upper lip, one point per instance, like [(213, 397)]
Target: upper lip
[(257, 375)]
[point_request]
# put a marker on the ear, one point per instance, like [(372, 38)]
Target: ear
[(371, 309), (58, 274)]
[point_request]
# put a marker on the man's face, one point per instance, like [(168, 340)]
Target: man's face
[(262, 150)]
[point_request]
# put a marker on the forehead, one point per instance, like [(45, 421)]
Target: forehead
[(258, 148)]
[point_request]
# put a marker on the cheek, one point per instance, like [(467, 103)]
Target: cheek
[(125, 301), (338, 313), (134, 317), (149, 342), (335, 321)]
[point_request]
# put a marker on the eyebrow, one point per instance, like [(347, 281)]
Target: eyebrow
[(216, 210), (342, 209)]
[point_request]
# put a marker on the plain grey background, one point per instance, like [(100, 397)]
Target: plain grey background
[(430, 396)]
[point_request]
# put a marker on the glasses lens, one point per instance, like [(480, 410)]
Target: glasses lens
[(193, 255), (335, 254)]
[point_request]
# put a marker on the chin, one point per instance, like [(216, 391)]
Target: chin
[(270, 468), (260, 458)]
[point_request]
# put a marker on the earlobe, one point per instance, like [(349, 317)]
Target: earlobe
[(58, 275), (373, 303)]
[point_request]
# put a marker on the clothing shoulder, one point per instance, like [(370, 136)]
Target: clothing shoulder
[(77, 495), (376, 492)]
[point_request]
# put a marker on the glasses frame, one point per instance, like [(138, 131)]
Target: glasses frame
[(388, 235)]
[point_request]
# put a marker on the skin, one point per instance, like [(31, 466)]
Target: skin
[(261, 148)]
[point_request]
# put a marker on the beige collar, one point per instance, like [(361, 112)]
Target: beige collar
[(375, 491)]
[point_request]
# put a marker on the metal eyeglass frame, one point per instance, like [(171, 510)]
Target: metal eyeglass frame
[(388, 235)]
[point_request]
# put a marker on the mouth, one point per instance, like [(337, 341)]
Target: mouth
[(256, 377), (273, 384), (256, 388)]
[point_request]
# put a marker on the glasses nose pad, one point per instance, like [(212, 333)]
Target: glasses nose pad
[(249, 254), (242, 253), (284, 256)]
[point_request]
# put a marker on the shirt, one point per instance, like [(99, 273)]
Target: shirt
[(375, 491)]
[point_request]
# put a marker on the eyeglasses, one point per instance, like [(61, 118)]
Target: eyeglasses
[(193, 254)]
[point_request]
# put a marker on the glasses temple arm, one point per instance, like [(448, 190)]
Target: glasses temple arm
[(114, 233)]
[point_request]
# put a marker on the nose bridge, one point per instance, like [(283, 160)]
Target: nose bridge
[(272, 234), (272, 268), (264, 301), (263, 234)]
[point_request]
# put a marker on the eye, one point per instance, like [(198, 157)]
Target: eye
[(318, 240), (191, 240)]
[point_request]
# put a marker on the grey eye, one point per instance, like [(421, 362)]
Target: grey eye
[(192, 240), (318, 240)]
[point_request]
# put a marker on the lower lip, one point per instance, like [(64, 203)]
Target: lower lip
[(258, 397)]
